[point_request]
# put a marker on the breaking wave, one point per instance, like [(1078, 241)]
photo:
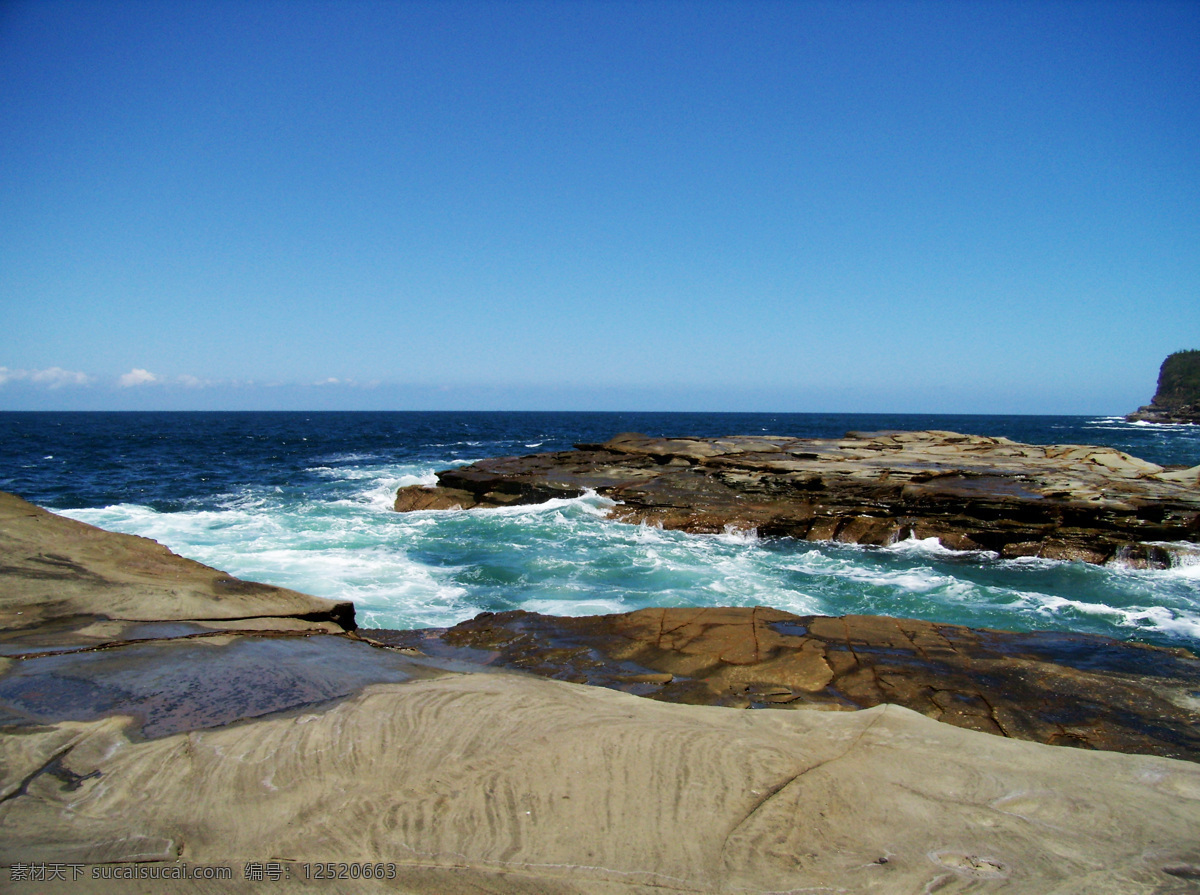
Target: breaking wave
[(565, 557)]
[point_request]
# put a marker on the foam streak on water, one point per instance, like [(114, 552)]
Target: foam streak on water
[(307, 505), (565, 557)]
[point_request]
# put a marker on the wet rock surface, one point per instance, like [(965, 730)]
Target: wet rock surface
[(1069, 502), (157, 715), (1060, 689), (184, 684)]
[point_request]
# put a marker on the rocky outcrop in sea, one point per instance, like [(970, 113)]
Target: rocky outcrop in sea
[(971, 492), (159, 718)]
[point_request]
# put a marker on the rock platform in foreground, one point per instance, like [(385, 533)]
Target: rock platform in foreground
[(1062, 689), (1067, 502), (158, 741), (509, 784), (68, 585)]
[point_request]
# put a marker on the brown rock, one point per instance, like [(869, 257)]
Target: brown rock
[(419, 497), (1071, 502), (68, 584), (1054, 688), (186, 746)]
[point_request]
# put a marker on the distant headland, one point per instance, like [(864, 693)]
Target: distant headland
[(1178, 397)]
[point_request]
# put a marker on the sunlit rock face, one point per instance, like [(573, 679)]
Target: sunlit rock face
[(1049, 687), (971, 492), (1177, 399)]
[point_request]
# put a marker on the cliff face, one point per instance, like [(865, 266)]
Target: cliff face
[(1177, 399)]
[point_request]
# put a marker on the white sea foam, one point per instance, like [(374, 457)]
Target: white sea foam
[(932, 547), (423, 475), (350, 457), (1189, 573), (910, 580), (575, 608), (1184, 565), (1143, 424), (1155, 618), (589, 502), (1185, 557), (735, 535), (337, 536)]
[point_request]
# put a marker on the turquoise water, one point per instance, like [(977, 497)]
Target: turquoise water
[(304, 501)]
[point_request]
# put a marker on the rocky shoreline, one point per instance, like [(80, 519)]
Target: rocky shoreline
[(1046, 687), (1151, 413), (158, 714), (1068, 502)]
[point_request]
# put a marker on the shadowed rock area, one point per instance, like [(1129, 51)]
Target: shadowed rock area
[(1061, 689), (1069, 502), (157, 715)]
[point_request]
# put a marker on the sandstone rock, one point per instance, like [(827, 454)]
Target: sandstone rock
[(184, 745), (507, 784), (1054, 688), (67, 585), (1072, 502)]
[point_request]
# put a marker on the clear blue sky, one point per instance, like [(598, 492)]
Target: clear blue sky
[(797, 206)]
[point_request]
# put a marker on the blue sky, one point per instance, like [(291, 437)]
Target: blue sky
[(801, 206)]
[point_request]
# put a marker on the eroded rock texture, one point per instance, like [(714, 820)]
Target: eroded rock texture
[(1062, 689), (1068, 502), (157, 714), (68, 585)]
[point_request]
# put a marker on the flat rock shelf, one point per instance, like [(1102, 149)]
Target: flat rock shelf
[(158, 714), (971, 492), (1056, 688)]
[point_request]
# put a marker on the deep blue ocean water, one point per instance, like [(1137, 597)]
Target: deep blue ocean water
[(303, 500)]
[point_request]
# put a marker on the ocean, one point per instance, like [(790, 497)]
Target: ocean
[(303, 500)]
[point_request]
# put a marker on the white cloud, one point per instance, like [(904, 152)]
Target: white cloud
[(333, 380), (51, 377), (188, 381), (57, 377), (136, 377)]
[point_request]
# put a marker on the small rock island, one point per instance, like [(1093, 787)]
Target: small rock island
[(1177, 399)]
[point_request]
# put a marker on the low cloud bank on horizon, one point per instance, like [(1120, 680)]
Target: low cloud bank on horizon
[(137, 377), (59, 389), (57, 377), (51, 377)]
